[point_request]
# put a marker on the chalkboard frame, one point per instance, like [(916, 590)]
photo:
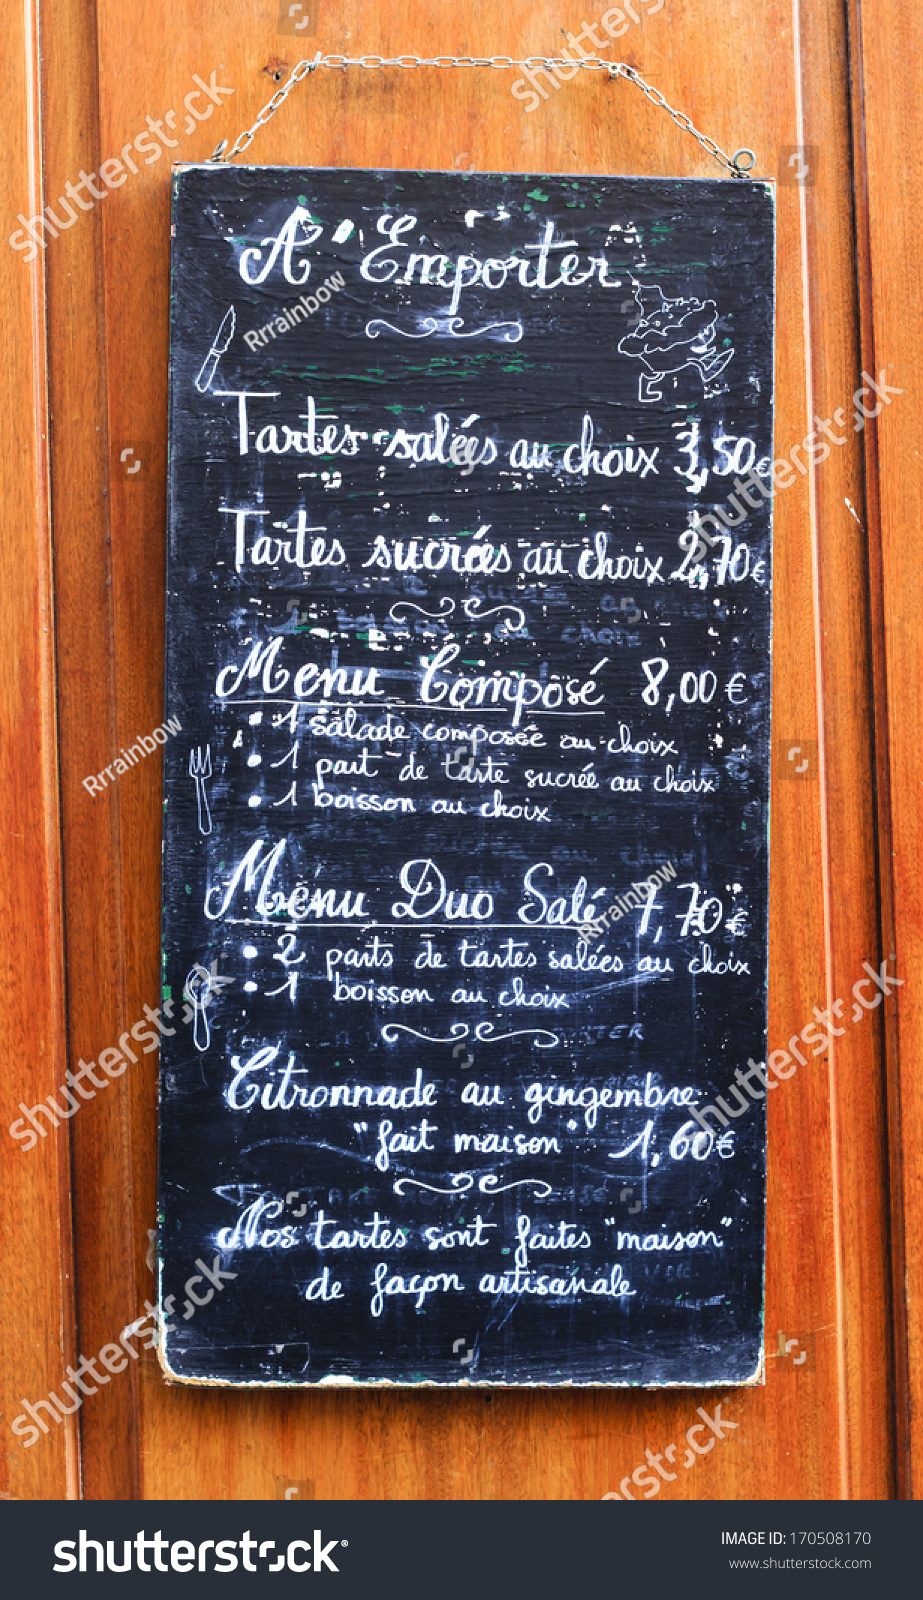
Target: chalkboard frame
[(169, 780)]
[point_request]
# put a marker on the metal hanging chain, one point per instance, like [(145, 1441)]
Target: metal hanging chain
[(734, 163), (615, 69)]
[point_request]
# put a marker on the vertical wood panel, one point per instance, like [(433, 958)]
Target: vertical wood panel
[(888, 120), (822, 1432), (90, 692), (36, 1314), (847, 867)]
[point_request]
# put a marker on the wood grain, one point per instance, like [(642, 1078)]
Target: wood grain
[(36, 1306), (775, 78), (886, 112), (848, 863), (97, 828)]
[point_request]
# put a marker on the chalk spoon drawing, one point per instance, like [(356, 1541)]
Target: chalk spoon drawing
[(201, 985), (670, 335)]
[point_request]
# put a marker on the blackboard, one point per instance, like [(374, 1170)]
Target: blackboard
[(465, 866)]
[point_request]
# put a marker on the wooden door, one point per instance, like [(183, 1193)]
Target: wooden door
[(815, 88)]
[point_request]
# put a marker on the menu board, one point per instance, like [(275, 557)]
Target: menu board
[(465, 865)]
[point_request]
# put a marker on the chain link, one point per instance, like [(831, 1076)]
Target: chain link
[(269, 110), (615, 69), (618, 69)]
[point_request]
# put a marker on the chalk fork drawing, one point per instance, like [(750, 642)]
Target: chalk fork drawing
[(673, 334), (220, 343), (200, 768)]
